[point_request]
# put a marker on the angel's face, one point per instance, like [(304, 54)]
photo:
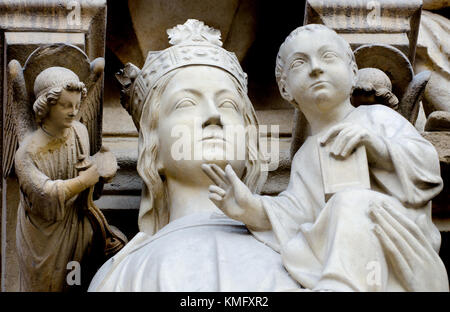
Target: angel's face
[(64, 112)]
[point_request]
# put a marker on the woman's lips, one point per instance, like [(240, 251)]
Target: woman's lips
[(318, 83)]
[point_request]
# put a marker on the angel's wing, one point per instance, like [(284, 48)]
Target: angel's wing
[(19, 120), (91, 108), (409, 105)]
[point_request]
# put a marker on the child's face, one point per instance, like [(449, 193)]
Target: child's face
[(64, 112), (319, 75)]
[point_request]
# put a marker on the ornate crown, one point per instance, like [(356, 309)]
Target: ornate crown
[(193, 43)]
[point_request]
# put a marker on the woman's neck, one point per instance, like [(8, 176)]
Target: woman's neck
[(322, 121), (187, 199)]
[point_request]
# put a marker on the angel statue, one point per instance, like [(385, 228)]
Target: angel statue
[(57, 221)]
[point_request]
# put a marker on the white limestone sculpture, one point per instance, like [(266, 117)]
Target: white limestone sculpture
[(185, 243), (341, 244), (57, 220)]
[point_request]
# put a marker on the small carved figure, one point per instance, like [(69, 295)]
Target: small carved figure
[(57, 220), (373, 87), (339, 243), (385, 68)]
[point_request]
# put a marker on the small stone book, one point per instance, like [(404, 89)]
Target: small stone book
[(339, 174)]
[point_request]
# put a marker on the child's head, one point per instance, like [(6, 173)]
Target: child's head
[(315, 68)]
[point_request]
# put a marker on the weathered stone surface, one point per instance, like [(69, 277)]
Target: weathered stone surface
[(441, 141), (435, 4), (363, 22), (433, 53), (120, 36), (438, 121), (235, 21)]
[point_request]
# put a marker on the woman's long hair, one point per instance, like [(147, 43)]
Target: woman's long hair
[(153, 212)]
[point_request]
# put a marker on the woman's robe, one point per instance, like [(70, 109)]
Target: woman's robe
[(198, 252)]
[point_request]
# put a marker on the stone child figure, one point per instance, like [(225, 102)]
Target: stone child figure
[(56, 177), (339, 243)]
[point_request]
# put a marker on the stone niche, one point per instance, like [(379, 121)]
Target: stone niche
[(24, 26)]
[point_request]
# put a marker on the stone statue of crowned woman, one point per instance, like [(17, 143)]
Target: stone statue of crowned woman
[(189, 237)]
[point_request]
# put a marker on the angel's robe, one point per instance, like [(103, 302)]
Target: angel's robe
[(331, 245), (204, 251), (52, 230)]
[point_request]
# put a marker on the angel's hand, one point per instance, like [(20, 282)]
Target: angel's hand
[(90, 176), (234, 198), (106, 163), (414, 261)]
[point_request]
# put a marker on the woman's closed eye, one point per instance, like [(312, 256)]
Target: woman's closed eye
[(297, 63), (329, 56), (184, 103), (228, 104)]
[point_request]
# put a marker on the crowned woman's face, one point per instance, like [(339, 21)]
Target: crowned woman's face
[(200, 114)]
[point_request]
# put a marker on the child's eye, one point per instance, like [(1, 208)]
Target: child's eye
[(297, 63)]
